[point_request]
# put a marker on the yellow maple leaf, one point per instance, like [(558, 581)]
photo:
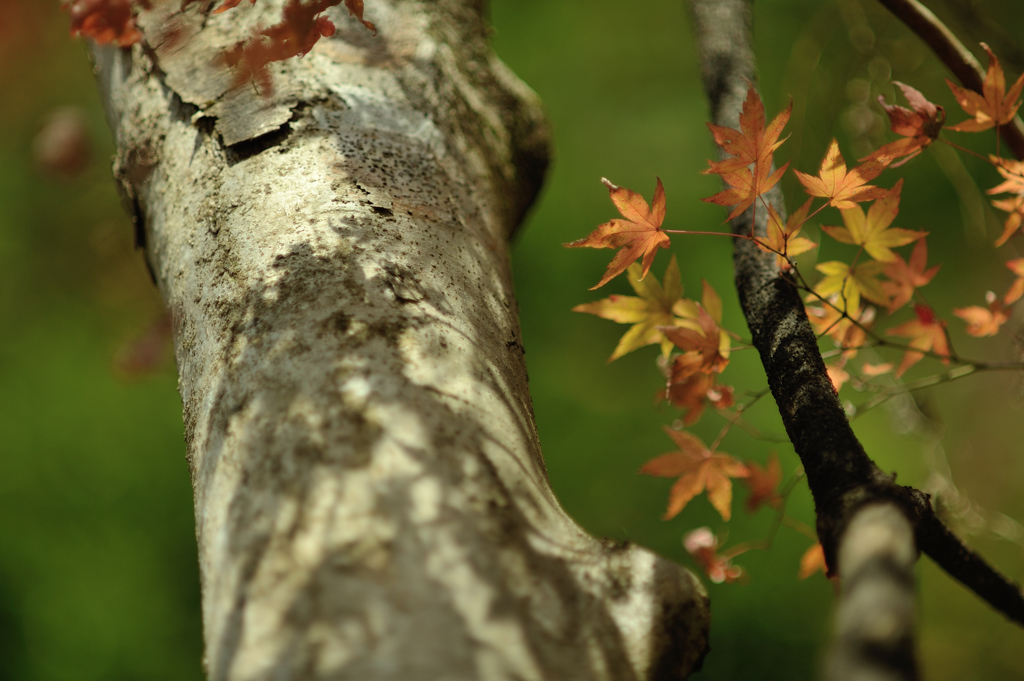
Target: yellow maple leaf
[(851, 283), (651, 308), (872, 230)]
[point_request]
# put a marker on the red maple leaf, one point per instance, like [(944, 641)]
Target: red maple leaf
[(926, 333), (300, 28), (764, 484), (698, 469), (920, 126), (639, 234), (702, 544), (104, 21)]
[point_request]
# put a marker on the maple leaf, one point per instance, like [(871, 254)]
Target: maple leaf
[(690, 390), (926, 333), (872, 230), (764, 484), (753, 142), (851, 283), (920, 126), (707, 342), (812, 561), (228, 4), (639, 234), (782, 239), (702, 544), (984, 321), (752, 146), (906, 276), (843, 189), (1013, 174), (1017, 287), (873, 370), (300, 28), (830, 321), (104, 21), (652, 309), (698, 469), (995, 106), (745, 186), (838, 374), (705, 323)]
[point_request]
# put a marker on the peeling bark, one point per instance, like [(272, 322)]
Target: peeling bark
[(371, 501)]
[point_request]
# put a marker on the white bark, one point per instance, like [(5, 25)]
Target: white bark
[(371, 501)]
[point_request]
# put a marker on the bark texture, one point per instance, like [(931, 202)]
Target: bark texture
[(371, 502)]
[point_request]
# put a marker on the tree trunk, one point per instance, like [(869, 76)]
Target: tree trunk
[(371, 502)]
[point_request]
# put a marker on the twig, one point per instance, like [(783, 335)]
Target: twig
[(955, 56), (844, 481)]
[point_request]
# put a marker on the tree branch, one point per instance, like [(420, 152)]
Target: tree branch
[(842, 478), (954, 55), (875, 622)]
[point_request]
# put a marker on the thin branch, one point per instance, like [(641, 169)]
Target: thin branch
[(844, 481), (955, 56)]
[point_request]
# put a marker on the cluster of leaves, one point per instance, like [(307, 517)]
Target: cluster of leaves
[(301, 26), (843, 304)]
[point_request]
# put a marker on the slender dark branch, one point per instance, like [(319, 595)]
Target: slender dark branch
[(955, 56), (963, 564), (842, 478)]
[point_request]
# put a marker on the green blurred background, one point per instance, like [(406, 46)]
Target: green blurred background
[(98, 576)]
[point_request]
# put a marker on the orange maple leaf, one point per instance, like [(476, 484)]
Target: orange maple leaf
[(782, 240), (698, 469), (873, 370), (639, 234), (707, 342), (749, 172), (702, 544), (920, 126), (1017, 287), (652, 309), (926, 333), (843, 189), (753, 143), (995, 106), (764, 484), (690, 389), (1013, 183), (812, 561), (906, 276), (984, 321), (745, 186), (872, 231), (838, 374)]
